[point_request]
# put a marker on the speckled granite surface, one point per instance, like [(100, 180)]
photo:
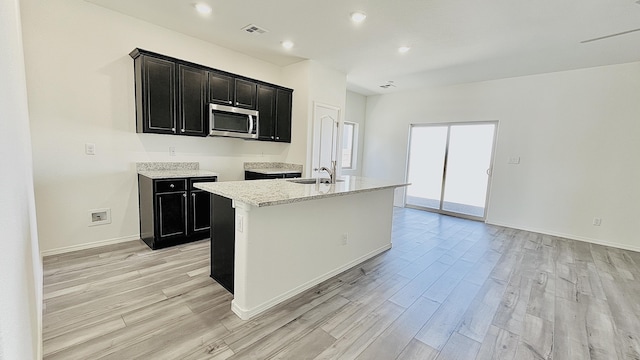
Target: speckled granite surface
[(272, 167), (167, 170), (168, 174), (276, 192), (156, 166)]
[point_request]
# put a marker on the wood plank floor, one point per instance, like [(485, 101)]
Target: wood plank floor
[(448, 289)]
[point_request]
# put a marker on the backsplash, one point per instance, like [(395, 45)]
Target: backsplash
[(155, 166)]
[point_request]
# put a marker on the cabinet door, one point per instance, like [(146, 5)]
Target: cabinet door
[(171, 211), (192, 100), (267, 112), (200, 211), (159, 95), (245, 94), (283, 115), (221, 88)]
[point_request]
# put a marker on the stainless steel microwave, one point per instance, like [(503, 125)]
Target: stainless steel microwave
[(233, 122)]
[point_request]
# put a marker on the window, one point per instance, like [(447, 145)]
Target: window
[(349, 145)]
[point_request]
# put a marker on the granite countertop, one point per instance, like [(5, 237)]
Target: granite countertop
[(167, 174), (269, 168), (276, 192)]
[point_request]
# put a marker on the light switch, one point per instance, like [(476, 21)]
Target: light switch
[(90, 149)]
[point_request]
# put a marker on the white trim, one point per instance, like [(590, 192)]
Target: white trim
[(246, 314), (570, 237), (90, 245)]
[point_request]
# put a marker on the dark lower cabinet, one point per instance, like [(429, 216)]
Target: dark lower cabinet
[(173, 211), (223, 241)]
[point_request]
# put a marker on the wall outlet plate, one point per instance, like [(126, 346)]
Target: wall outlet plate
[(99, 217)]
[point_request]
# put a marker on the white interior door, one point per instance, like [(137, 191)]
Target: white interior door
[(325, 137)]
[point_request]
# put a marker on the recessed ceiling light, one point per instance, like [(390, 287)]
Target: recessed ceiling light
[(359, 16), (403, 49), (203, 8), (287, 44)]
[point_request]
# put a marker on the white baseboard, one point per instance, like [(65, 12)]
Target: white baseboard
[(90, 245), (571, 237), (246, 314)]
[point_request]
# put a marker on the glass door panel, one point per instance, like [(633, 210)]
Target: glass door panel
[(467, 169), (426, 165)]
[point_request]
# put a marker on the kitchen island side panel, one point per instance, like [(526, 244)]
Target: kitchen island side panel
[(222, 241), (283, 250)]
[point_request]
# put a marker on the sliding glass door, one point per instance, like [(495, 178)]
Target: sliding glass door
[(449, 168)]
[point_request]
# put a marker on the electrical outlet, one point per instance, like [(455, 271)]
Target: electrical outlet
[(90, 149), (99, 217), (345, 239), (239, 223), (172, 151), (597, 221)]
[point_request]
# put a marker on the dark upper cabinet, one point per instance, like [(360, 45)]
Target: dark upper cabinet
[(267, 112), (231, 91), (283, 114), (274, 106), (221, 88), (155, 95), (172, 97), (245, 94), (192, 100)]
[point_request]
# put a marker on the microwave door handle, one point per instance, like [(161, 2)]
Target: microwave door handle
[(250, 117), (212, 121)]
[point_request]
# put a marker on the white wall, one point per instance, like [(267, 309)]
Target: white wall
[(20, 266), (81, 90), (356, 105), (577, 133)]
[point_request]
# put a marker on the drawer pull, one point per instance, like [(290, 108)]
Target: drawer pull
[(172, 186)]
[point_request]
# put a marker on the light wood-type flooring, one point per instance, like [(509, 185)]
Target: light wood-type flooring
[(448, 289)]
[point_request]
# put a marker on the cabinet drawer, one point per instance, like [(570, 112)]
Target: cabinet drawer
[(192, 181), (170, 185)]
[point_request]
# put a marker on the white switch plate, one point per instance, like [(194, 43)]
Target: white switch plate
[(172, 151), (90, 149)]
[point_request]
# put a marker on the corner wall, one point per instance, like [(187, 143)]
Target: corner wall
[(576, 133), (20, 265)]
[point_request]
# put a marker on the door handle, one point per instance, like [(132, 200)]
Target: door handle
[(489, 172)]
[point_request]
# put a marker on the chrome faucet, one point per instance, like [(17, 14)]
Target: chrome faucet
[(332, 171)]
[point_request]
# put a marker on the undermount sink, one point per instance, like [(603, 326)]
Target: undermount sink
[(312, 181)]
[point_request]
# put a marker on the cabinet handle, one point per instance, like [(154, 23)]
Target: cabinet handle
[(184, 195), (193, 195), (172, 186), (272, 138), (277, 137), (173, 129), (182, 130), (229, 102)]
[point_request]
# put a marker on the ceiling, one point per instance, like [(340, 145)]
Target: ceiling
[(452, 41)]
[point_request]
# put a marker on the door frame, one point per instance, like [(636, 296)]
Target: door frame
[(444, 173)]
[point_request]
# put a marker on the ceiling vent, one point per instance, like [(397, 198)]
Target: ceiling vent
[(389, 84), (254, 29)]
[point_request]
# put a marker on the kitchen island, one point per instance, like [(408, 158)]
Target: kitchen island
[(273, 239)]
